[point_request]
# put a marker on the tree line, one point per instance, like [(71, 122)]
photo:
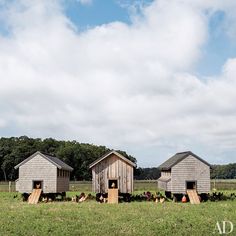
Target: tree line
[(217, 172), (224, 171), (79, 156)]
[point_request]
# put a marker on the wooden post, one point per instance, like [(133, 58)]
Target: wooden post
[(9, 186)]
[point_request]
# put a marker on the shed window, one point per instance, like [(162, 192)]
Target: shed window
[(166, 173), (112, 183), (63, 173), (60, 173)]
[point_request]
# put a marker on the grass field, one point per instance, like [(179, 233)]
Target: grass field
[(92, 218), (135, 218)]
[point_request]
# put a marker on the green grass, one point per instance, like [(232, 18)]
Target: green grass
[(92, 218), (139, 185)]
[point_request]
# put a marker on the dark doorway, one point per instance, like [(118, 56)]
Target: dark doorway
[(191, 184), (37, 184), (112, 183)]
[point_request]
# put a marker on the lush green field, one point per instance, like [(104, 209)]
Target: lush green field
[(92, 218)]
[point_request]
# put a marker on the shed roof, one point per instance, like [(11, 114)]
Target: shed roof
[(164, 179), (167, 165), (108, 154), (54, 160)]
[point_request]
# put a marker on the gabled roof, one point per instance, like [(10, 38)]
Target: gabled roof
[(108, 154), (167, 165), (54, 160)]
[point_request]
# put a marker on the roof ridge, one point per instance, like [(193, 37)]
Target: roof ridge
[(53, 159), (183, 152), (169, 163), (108, 154), (45, 153)]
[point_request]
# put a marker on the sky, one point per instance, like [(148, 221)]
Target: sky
[(150, 77)]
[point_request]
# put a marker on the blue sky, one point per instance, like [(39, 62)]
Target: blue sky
[(91, 13), (149, 77), (215, 51), (96, 13), (218, 48)]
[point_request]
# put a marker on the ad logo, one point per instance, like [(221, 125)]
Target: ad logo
[(224, 227)]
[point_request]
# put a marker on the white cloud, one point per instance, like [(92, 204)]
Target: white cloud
[(125, 86)]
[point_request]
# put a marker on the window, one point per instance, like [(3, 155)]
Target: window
[(112, 183)]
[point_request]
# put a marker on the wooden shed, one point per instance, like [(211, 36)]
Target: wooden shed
[(112, 170), (43, 171), (185, 171)]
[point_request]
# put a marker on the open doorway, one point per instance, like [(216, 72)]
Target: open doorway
[(37, 184), (112, 183), (191, 184)]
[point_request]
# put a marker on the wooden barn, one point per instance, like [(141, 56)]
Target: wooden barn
[(112, 170), (43, 171), (185, 171)]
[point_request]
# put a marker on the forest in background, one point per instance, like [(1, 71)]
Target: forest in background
[(13, 150)]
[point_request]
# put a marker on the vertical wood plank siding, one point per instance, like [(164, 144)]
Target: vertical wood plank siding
[(190, 169), (112, 167), (63, 184)]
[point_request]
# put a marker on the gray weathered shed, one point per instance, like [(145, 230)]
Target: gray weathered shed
[(112, 170), (184, 171), (43, 171)]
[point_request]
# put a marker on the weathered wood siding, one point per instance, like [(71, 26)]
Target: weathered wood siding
[(112, 167), (162, 185), (38, 168), (190, 169), (165, 185), (168, 186), (63, 184)]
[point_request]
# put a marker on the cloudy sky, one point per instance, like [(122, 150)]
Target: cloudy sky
[(149, 77)]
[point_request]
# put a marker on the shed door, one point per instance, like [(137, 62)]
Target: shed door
[(37, 184), (191, 184)]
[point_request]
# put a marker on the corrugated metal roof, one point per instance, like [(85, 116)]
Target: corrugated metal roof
[(167, 165), (54, 160)]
